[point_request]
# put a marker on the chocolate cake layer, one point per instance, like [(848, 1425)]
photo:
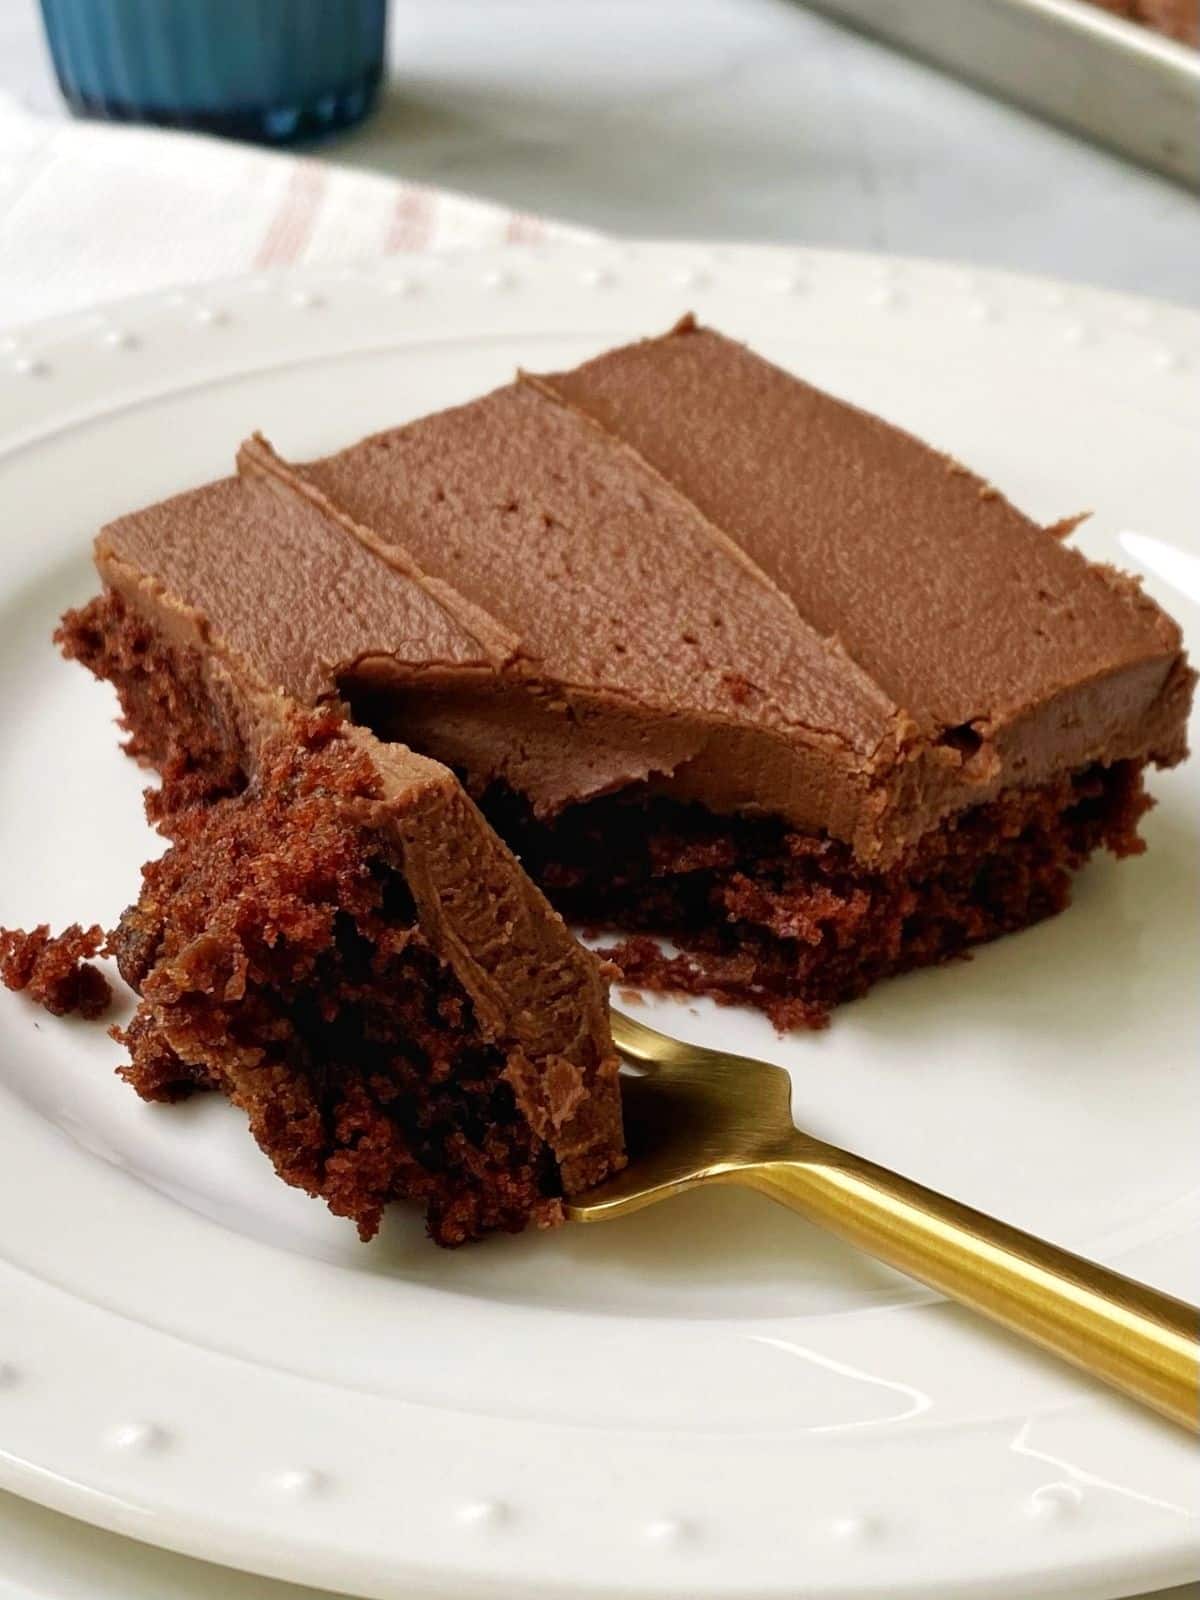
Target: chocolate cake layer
[(791, 922)]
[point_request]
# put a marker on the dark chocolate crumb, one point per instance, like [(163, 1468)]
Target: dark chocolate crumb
[(53, 969)]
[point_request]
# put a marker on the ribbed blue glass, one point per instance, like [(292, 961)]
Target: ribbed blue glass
[(275, 71)]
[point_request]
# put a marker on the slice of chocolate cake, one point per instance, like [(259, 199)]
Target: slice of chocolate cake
[(723, 658), (336, 939)]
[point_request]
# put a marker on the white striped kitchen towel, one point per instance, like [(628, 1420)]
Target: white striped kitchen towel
[(89, 212)]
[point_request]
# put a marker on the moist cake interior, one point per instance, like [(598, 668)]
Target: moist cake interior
[(789, 922), (280, 959)]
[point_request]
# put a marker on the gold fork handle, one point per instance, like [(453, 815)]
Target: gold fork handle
[(1145, 1343)]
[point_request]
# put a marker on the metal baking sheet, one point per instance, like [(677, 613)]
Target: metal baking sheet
[(1117, 82)]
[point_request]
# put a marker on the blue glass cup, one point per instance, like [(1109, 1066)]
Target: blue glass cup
[(274, 71)]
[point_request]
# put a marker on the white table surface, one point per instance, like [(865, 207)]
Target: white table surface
[(721, 119)]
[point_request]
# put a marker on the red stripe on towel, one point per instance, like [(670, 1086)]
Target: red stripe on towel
[(524, 229), (411, 226), (292, 225)]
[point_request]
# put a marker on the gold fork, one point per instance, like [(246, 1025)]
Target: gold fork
[(696, 1116)]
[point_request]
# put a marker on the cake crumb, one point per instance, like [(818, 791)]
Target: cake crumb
[(53, 969), (1065, 526), (729, 980), (631, 997)]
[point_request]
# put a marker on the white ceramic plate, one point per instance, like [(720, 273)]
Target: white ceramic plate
[(709, 1399)]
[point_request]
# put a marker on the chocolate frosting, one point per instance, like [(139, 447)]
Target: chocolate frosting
[(679, 565), (958, 607)]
